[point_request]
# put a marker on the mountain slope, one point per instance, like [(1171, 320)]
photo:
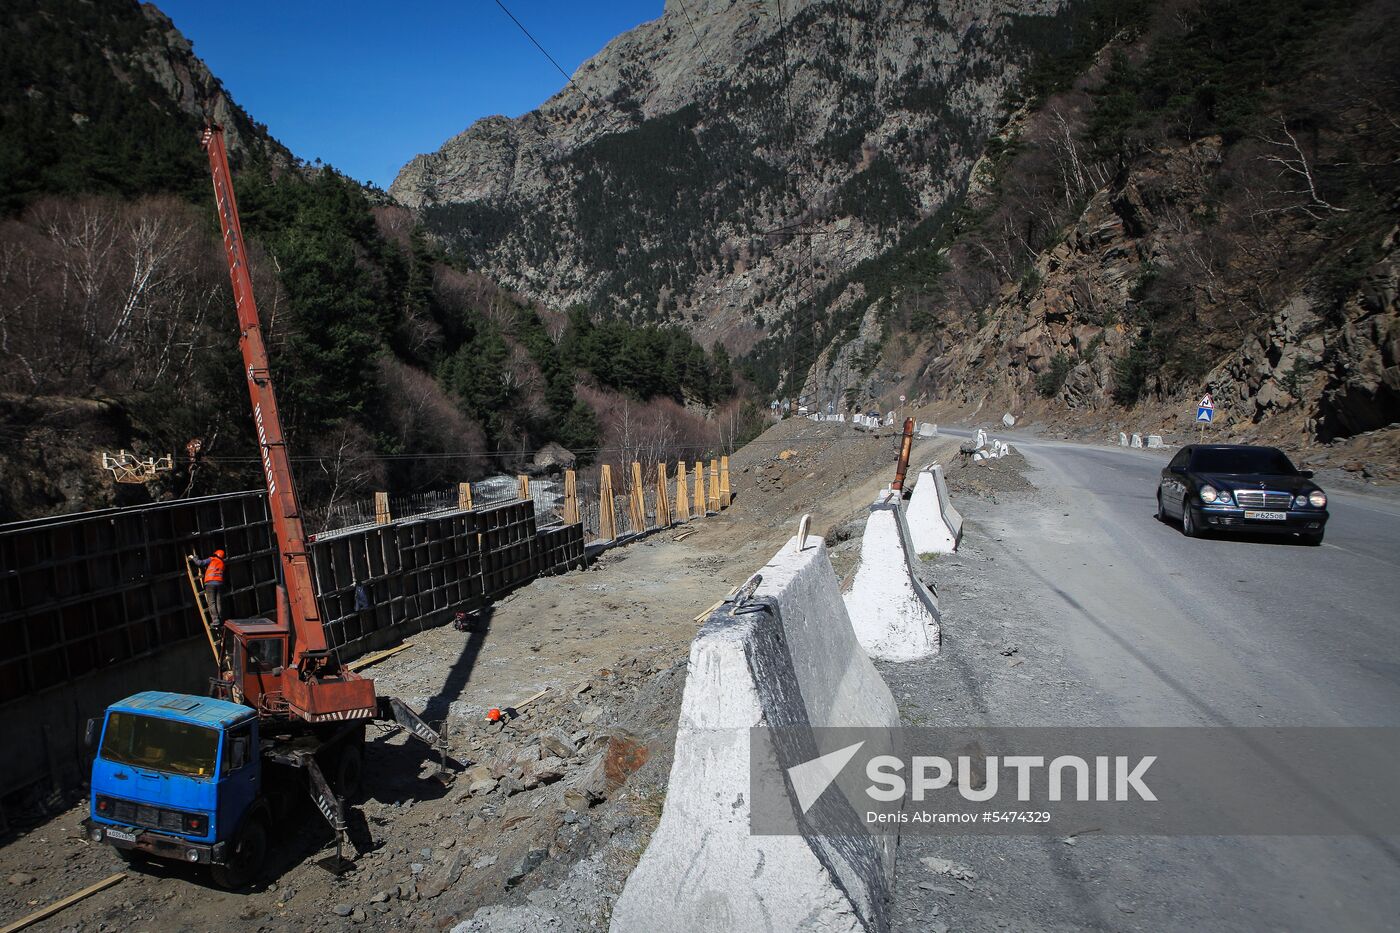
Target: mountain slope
[(715, 165)]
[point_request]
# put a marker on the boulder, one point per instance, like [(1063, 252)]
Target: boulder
[(551, 459)]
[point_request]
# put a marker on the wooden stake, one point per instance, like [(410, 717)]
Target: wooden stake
[(381, 509), (663, 502), (682, 493), (714, 486), (607, 519), (637, 503), (43, 913), (464, 496), (524, 483), (724, 497), (699, 490), (570, 497)]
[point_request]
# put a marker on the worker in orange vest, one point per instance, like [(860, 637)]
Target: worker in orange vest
[(213, 567)]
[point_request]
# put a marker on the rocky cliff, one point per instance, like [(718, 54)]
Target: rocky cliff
[(719, 164)]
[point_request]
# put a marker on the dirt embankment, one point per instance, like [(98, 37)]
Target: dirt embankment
[(548, 813)]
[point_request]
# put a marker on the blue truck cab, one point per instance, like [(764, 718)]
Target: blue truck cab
[(179, 777)]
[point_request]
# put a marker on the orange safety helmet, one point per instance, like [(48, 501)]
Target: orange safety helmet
[(219, 553)]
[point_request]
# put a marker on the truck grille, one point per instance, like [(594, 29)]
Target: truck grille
[(1264, 499), (139, 814)]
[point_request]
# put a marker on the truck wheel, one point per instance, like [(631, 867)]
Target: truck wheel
[(245, 857)]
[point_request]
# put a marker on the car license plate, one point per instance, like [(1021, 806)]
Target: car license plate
[(119, 834), (1267, 516)]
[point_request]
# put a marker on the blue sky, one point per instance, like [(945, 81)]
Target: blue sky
[(366, 85)]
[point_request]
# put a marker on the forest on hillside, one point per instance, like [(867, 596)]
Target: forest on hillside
[(398, 367)]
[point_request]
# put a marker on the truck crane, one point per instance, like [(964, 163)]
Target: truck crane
[(204, 779)]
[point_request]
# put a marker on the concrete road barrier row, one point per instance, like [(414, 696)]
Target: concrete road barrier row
[(783, 656), (894, 614), (931, 516)]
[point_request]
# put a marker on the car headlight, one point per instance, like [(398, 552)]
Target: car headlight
[(1223, 498), (1209, 494), (1317, 498), (1300, 502)]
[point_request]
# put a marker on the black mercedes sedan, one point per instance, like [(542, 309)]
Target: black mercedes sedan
[(1232, 487)]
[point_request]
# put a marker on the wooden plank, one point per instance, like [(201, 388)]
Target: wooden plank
[(636, 502), (381, 508), (43, 913), (699, 489), (663, 501), (682, 493), (523, 483), (570, 497), (378, 656), (464, 496), (724, 497), (713, 504), (607, 519)]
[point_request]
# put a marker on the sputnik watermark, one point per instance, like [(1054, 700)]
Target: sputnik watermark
[(1118, 778), (1158, 781)]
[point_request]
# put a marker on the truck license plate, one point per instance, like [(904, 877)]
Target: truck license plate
[(1267, 516), (119, 834)]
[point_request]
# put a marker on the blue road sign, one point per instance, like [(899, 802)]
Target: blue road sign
[(1205, 411)]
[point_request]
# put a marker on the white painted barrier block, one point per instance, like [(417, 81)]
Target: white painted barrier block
[(1137, 441), (889, 419), (980, 440), (1122, 439), (1008, 419), (894, 615), (951, 515), (787, 657), (1155, 440), (928, 529), (927, 430)]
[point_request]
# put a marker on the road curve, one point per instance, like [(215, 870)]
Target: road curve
[(1156, 629)]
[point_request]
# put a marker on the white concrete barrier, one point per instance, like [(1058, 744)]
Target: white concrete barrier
[(929, 531), (1122, 439), (785, 657), (1155, 441), (894, 615), (1008, 419), (980, 440), (928, 430), (1137, 441), (951, 515), (889, 419)]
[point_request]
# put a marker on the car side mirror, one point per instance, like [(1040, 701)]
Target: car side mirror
[(1306, 474), (239, 752), (90, 734)]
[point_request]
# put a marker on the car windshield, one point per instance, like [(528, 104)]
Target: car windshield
[(160, 744), (1242, 460)]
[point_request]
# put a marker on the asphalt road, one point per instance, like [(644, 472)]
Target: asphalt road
[(1119, 620)]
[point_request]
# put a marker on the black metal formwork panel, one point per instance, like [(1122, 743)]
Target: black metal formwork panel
[(82, 592), (416, 572), (509, 549), (560, 548)]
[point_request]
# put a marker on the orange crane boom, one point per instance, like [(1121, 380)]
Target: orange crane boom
[(314, 686)]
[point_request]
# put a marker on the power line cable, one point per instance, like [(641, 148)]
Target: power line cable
[(688, 20), (542, 49)]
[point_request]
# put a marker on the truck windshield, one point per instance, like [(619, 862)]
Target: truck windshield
[(160, 744), (1242, 460)]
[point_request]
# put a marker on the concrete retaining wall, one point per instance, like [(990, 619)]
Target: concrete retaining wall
[(894, 615), (787, 657)]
